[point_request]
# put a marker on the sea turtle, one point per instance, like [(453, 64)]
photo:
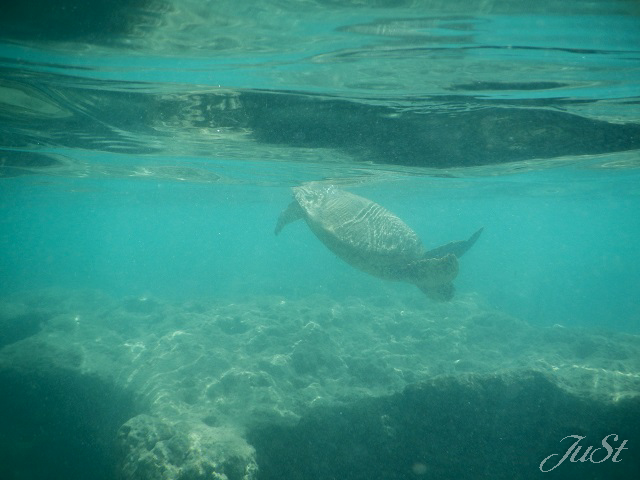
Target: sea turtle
[(372, 239)]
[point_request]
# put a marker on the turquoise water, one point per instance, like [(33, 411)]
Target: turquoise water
[(152, 325), (149, 147)]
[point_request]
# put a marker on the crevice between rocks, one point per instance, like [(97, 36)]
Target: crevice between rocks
[(465, 427), (60, 424)]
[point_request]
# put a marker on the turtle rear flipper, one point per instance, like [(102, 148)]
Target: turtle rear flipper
[(435, 276), (440, 293), (432, 273), (458, 248)]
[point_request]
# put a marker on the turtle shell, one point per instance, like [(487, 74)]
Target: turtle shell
[(356, 229)]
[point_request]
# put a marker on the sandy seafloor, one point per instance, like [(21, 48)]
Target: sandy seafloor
[(207, 388)]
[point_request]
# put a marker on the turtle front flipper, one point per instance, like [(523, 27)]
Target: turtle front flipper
[(290, 214), (458, 248)]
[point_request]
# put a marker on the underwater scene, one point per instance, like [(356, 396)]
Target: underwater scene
[(319, 239)]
